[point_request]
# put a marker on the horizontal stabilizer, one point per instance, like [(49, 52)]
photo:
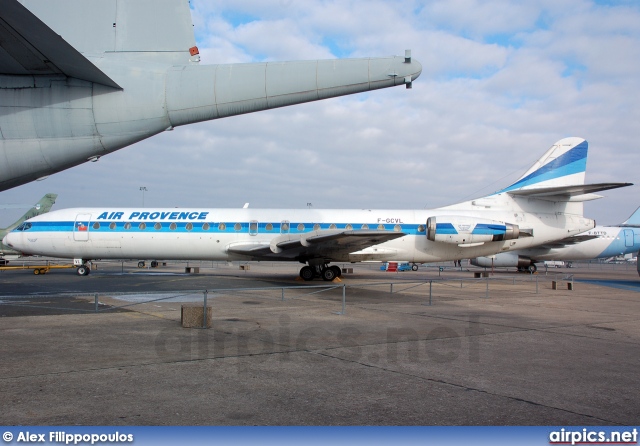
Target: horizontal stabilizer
[(566, 193), (30, 47)]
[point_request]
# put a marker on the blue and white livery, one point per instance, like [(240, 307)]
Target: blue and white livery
[(545, 205), (599, 242)]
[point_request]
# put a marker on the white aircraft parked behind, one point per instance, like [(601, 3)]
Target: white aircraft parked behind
[(42, 206), (599, 242), (544, 205)]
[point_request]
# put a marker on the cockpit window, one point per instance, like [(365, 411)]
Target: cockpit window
[(24, 227)]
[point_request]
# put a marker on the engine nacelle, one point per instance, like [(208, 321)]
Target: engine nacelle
[(467, 230), (504, 259)]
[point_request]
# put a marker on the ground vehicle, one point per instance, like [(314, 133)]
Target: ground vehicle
[(398, 266)]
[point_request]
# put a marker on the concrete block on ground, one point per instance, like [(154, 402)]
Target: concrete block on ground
[(191, 316)]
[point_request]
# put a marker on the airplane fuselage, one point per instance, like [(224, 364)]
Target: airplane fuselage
[(217, 234)]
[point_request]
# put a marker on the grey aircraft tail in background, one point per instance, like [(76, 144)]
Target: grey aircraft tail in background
[(43, 206), (83, 78)]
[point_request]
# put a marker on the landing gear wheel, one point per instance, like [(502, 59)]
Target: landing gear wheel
[(36, 271), (306, 273), (328, 274), (140, 264), (154, 264), (414, 267), (83, 271), (336, 269), (532, 268)]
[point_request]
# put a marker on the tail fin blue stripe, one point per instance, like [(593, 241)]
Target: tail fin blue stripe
[(573, 161)]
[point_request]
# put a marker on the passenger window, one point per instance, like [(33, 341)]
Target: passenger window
[(316, 227), (157, 226), (222, 227), (348, 226), (127, 225), (142, 226), (332, 226), (96, 225), (381, 227), (237, 226), (189, 226), (269, 227), (112, 226), (173, 226), (364, 226), (205, 227), (301, 227), (397, 228)]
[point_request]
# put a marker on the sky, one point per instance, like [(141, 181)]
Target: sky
[(501, 82)]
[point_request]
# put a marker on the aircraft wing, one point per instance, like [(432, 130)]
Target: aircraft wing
[(325, 243), (29, 47), (574, 240)]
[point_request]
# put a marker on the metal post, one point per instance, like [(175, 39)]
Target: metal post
[(96, 298), (204, 310), (487, 294), (282, 294), (391, 289), (344, 298)]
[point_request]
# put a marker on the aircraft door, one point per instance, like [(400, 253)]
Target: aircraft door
[(253, 227), (81, 227), (628, 237)]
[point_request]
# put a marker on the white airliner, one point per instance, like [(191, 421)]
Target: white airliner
[(544, 205), (599, 242)]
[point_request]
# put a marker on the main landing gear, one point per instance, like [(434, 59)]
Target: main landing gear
[(531, 269), (328, 273)]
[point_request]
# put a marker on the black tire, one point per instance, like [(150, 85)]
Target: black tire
[(154, 264), (414, 267), (82, 270), (36, 271), (328, 274), (336, 269), (140, 264), (532, 268), (306, 273)]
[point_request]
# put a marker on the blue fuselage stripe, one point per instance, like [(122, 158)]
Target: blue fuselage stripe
[(105, 227)]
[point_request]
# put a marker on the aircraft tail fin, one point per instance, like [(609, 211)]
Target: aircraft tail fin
[(634, 220), (564, 164), (41, 207), (155, 30)]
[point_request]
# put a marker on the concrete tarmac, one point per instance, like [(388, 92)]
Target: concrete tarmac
[(490, 352)]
